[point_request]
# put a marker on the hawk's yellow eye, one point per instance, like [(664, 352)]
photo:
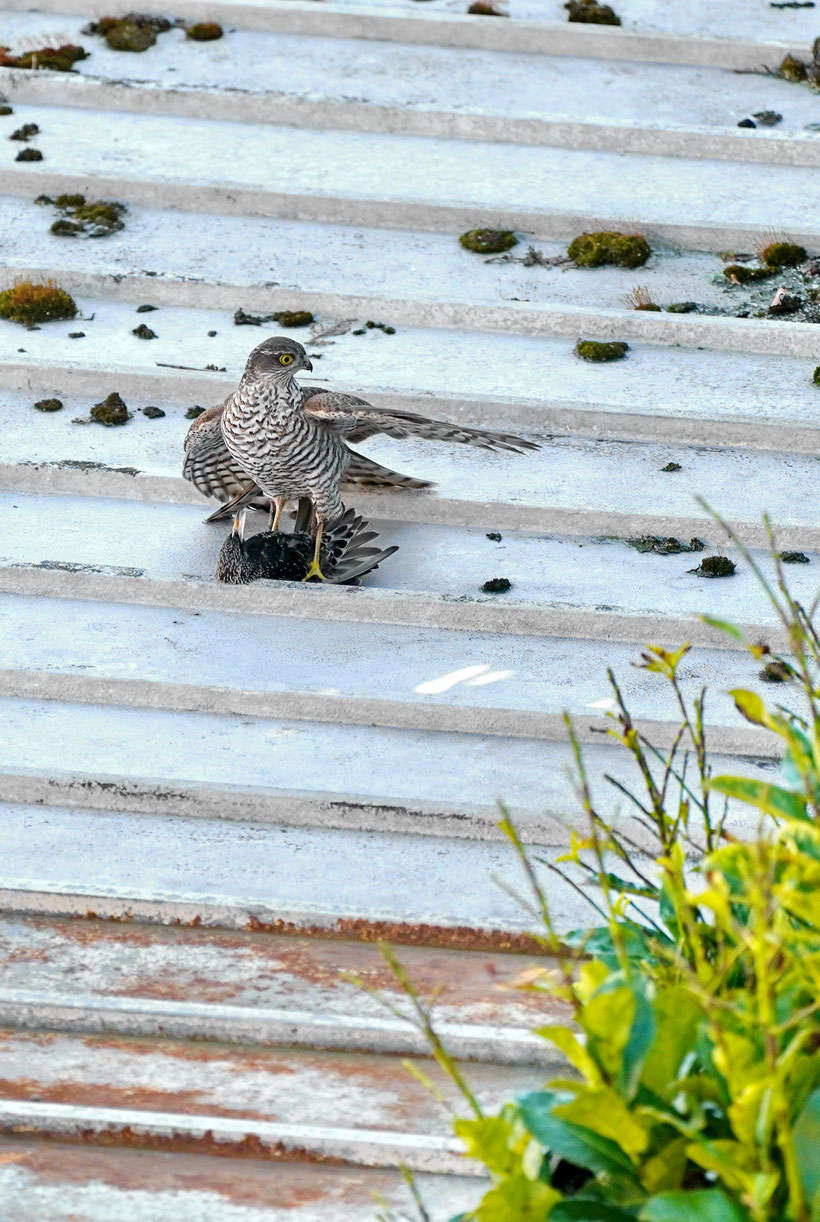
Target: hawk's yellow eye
[(286, 359)]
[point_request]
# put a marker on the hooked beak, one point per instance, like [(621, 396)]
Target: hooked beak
[(306, 364)]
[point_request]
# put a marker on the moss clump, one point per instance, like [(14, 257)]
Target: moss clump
[(49, 405), (792, 69), (28, 303), (146, 309), (593, 350), (591, 13), (94, 219), (193, 412), (609, 247), (739, 274), (783, 254), (134, 32), (488, 241), (494, 535), (66, 229), (714, 566), (55, 59), (143, 332), (793, 558), (6, 110), (25, 132), (153, 413), (294, 318), (660, 546), (496, 585), (682, 307), (672, 466), (111, 411), (775, 672), (29, 155), (815, 377), (482, 8), (204, 31)]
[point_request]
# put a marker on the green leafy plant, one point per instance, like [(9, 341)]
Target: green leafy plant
[(692, 1038)]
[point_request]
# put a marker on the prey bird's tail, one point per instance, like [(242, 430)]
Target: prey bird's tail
[(347, 551)]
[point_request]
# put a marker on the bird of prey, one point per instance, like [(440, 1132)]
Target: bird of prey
[(275, 437), (347, 551)]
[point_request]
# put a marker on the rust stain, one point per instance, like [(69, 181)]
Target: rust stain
[(456, 937), (124, 1136), (177, 988), (294, 1184), (241, 1058)]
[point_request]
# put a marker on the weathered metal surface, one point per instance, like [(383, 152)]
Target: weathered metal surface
[(196, 875), (89, 1183), (95, 977), (301, 1097)]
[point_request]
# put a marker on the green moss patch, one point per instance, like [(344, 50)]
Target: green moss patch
[(488, 241), (496, 585), (595, 350), (591, 13), (54, 59), (143, 332), (739, 273), (29, 303), (714, 566), (660, 546), (793, 558), (194, 412), (793, 69), (293, 318), (81, 218), (609, 247), (134, 32), (204, 31), (783, 254), (49, 405), (25, 132), (111, 411), (29, 155)]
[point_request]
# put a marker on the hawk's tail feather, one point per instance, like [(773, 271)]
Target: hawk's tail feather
[(364, 470)]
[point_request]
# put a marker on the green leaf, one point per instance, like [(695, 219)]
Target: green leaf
[(703, 1205), (605, 1113), (677, 1016), (750, 706), (585, 1209), (517, 1199), (573, 1142), (722, 626), (490, 1141), (807, 1145), (640, 1042), (782, 803)]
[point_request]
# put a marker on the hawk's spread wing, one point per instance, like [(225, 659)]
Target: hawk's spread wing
[(208, 464), (357, 420), (211, 469)]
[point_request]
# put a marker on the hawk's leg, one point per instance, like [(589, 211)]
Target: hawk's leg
[(315, 568), (276, 507)]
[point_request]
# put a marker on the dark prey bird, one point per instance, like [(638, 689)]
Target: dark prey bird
[(273, 437), (346, 555)]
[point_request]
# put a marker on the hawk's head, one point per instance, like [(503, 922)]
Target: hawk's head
[(277, 357)]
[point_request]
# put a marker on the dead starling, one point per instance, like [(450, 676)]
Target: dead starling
[(274, 555)]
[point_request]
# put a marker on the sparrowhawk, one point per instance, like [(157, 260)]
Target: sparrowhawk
[(274, 437)]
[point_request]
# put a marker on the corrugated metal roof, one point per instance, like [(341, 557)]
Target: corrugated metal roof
[(217, 799)]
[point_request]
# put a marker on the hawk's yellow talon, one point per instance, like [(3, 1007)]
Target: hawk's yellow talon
[(314, 571)]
